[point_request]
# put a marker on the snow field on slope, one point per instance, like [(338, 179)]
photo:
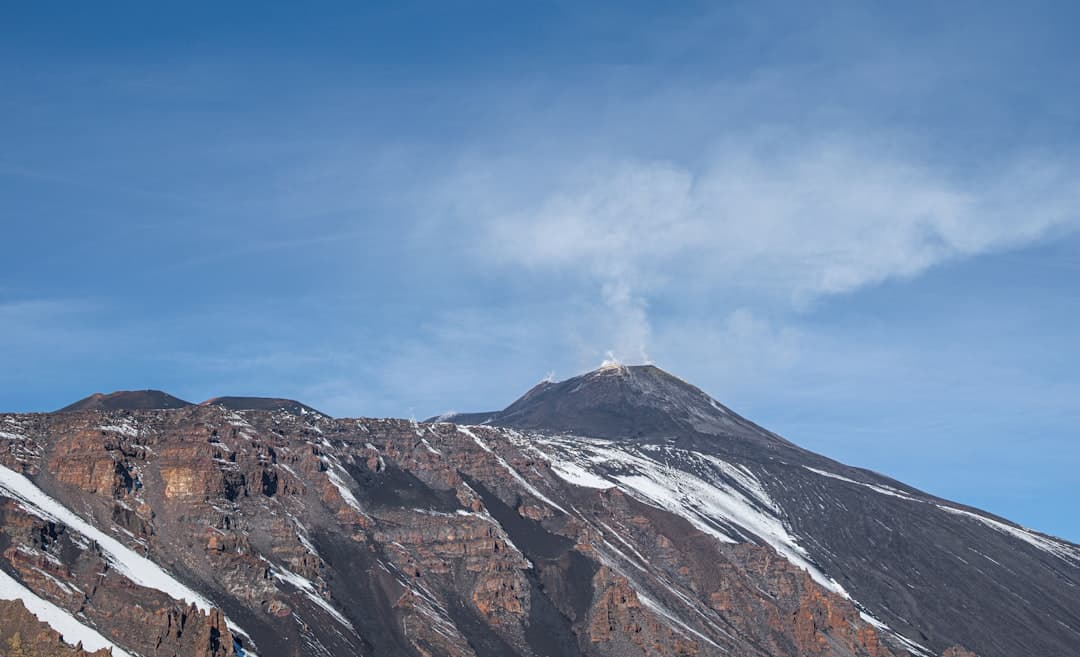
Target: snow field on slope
[(700, 492), (1045, 543), (123, 559), (307, 587), (72, 631), (704, 502)]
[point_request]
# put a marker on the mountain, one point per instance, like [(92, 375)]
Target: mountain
[(630, 403), (622, 513), (138, 400), (263, 404), (640, 403), (935, 571), (126, 400)]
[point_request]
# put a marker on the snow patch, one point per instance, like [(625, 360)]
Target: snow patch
[(513, 473), (123, 559), (706, 499), (1044, 543), (343, 489), (574, 474), (917, 648), (306, 586), (72, 631), (659, 609), (1038, 541), (884, 490), (122, 429)]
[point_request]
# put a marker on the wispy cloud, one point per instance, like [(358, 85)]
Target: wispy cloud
[(791, 224)]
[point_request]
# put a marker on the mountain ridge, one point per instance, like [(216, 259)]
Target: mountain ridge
[(682, 529), (126, 400), (135, 400)]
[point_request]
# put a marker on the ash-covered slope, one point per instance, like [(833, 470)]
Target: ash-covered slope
[(263, 404), (126, 400), (936, 572), (638, 403)]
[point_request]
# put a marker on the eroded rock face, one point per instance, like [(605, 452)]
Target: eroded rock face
[(23, 635), (937, 572), (65, 569), (314, 536)]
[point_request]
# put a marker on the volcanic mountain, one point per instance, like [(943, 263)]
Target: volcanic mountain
[(904, 555), (263, 404), (636, 403), (621, 513), (126, 400)]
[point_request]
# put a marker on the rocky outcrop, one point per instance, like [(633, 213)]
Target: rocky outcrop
[(378, 537), (388, 537), (65, 569), (23, 635), (619, 622)]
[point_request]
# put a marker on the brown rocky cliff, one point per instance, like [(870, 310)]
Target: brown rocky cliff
[(422, 539), (617, 617), (23, 635)]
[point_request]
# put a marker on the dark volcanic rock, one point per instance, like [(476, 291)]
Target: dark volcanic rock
[(623, 402), (262, 404), (126, 400), (938, 572)]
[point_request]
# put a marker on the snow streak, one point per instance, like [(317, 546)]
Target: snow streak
[(123, 559)]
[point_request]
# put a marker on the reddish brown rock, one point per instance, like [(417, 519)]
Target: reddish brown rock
[(425, 538), (23, 635)]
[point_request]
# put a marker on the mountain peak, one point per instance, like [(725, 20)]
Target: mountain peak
[(611, 364), (127, 400), (234, 403), (637, 402)]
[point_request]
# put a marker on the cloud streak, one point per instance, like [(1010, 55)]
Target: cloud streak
[(791, 225)]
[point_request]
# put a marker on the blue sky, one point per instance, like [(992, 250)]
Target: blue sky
[(858, 226)]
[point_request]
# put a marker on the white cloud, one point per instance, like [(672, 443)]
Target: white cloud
[(817, 221), (789, 223)]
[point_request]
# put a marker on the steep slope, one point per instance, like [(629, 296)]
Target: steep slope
[(623, 513), (204, 531), (22, 634), (126, 400), (935, 572)]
